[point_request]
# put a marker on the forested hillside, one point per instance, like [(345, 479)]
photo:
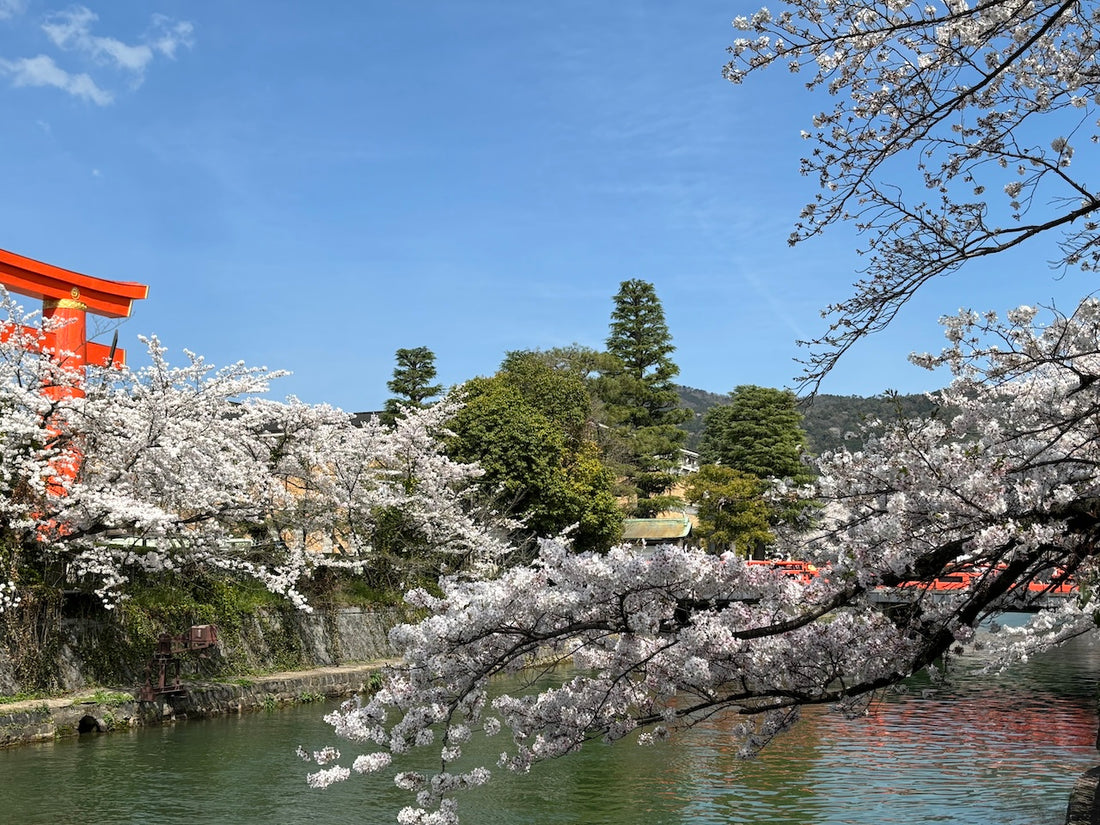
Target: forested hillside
[(698, 401), (833, 421), (830, 421)]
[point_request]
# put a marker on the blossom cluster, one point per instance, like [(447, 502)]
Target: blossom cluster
[(954, 130), (1001, 484), (9, 598), (116, 470)]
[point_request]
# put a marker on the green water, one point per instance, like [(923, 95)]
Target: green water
[(990, 751)]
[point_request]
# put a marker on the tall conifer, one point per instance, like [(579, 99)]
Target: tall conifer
[(411, 382), (641, 401)]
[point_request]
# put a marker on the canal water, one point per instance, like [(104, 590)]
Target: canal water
[(988, 750)]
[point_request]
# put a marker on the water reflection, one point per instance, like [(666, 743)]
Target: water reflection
[(1001, 750)]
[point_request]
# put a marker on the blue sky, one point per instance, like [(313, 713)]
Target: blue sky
[(313, 186)]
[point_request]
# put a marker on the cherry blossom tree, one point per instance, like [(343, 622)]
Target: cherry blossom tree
[(1005, 489), (169, 467), (386, 499), (991, 103)]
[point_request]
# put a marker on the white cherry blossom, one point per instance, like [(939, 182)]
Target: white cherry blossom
[(931, 106), (171, 467), (1000, 489)]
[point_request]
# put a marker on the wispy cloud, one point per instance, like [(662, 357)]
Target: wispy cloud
[(12, 8), (72, 30), (167, 35), (42, 71)]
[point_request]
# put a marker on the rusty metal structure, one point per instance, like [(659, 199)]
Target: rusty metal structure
[(166, 661)]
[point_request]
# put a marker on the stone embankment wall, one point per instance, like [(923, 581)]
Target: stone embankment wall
[(49, 719), (265, 641), (318, 639), (336, 654)]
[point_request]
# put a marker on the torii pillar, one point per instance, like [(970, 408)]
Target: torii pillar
[(68, 297)]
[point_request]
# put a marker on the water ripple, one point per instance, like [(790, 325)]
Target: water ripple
[(983, 750)]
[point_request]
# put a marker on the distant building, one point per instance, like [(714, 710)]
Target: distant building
[(674, 530), (689, 463)]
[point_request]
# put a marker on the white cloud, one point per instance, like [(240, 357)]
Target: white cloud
[(71, 30), (42, 71), (11, 8), (167, 35)]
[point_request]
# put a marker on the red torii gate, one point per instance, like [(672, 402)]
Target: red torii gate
[(68, 296)]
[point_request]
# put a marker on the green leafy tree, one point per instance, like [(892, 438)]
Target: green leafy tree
[(759, 432), (557, 393), (641, 402), (590, 501), (590, 366), (525, 428), (519, 448), (412, 381), (576, 359), (732, 513), (558, 389)]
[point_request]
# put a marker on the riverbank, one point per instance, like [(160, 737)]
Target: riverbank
[(104, 710)]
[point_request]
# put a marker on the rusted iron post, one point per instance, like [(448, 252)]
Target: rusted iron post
[(166, 661)]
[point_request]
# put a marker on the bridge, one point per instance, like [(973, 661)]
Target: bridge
[(1034, 597)]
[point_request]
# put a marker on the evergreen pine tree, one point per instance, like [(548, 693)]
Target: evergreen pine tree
[(641, 402), (759, 432), (411, 382)]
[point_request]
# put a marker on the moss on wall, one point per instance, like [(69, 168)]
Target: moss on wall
[(69, 641)]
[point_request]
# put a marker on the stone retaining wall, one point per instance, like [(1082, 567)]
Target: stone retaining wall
[(340, 651), (319, 639), (45, 720), (215, 699)]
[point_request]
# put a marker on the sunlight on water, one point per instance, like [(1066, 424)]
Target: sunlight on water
[(984, 750)]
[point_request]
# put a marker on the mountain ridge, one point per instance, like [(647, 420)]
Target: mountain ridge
[(831, 422)]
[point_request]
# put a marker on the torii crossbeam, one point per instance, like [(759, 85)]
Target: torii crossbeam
[(68, 296)]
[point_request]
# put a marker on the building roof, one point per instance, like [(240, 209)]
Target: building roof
[(656, 529)]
